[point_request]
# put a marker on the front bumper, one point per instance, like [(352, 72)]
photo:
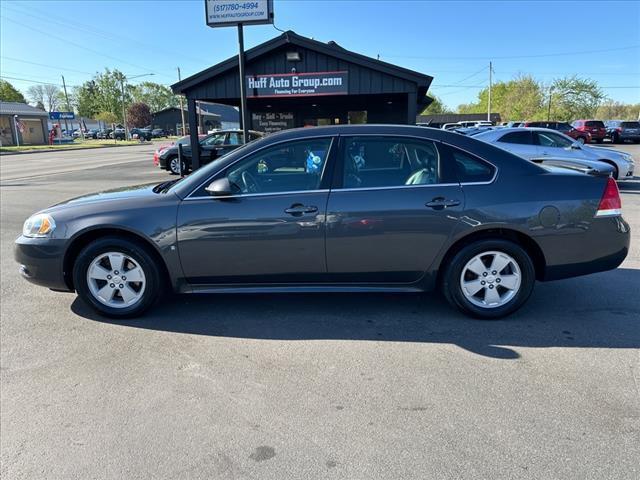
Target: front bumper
[(41, 261)]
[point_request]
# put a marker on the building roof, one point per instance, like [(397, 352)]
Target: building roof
[(456, 117), (17, 108), (226, 113), (291, 38)]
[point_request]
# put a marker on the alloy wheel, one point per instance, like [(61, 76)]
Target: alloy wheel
[(116, 280), (490, 279)]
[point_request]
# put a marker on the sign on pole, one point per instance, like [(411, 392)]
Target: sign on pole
[(62, 115), (228, 13)]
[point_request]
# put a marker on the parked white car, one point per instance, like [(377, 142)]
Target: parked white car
[(539, 143)]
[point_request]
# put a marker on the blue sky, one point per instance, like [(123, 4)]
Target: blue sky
[(452, 41)]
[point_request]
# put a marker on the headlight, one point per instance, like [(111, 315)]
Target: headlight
[(38, 226)]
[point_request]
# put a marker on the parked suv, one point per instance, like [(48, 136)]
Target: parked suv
[(564, 127), (619, 131), (595, 127)]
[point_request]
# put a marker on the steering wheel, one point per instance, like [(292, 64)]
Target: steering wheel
[(251, 185)]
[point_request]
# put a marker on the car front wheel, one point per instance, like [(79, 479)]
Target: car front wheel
[(117, 277), (489, 279)]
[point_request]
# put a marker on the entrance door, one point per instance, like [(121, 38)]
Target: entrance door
[(392, 212), (271, 230)]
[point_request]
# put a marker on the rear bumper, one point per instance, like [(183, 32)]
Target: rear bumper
[(41, 261), (604, 246)]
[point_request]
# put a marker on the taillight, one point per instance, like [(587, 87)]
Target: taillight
[(610, 204)]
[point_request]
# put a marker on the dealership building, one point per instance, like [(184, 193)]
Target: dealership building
[(293, 81)]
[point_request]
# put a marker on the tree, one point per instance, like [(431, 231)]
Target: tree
[(519, 99), (157, 96), (8, 93), (138, 115), (106, 117), (612, 110), (436, 107), (48, 95), (574, 97), (103, 93)]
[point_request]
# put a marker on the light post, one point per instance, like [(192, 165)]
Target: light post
[(549, 103), (123, 79)]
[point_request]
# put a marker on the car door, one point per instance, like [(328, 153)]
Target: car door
[(520, 142), (271, 229), (551, 144), (210, 146), (393, 205)]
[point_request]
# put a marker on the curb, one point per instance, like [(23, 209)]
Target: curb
[(72, 149)]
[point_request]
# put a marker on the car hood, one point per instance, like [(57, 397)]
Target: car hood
[(136, 193)]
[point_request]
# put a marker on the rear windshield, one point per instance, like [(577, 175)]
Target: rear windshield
[(630, 125), (595, 123)]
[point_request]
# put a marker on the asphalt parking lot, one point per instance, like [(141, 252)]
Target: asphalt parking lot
[(356, 386)]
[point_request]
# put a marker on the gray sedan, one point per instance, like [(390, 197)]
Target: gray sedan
[(347, 208)]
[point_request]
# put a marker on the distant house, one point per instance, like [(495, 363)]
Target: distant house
[(210, 116), (32, 119), (437, 121)]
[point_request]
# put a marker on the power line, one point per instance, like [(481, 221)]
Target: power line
[(45, 65), (82, 46), (122, 39), (503, 57)]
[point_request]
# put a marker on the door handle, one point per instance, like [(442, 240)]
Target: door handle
[(299, 209), (440, 203)]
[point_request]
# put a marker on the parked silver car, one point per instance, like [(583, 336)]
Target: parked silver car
[(540, 143)]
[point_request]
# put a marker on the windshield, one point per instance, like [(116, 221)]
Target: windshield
[(631, 124)]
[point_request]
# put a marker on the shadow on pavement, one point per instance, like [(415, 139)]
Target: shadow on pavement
[(598, 311)]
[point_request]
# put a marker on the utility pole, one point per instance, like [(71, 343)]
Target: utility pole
[(181, 106), (549, 103), (64, 87), (124, 112), (489, 102)]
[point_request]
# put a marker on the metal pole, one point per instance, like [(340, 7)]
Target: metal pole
[(549, 105), (64, 86), (243, 93), (15, 126), (124, 113), (180, 160), (489, 102), (184, 130)]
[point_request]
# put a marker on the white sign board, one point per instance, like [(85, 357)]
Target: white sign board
[(226, 13)]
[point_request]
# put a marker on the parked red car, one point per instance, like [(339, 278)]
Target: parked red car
[(563, 127), (595, 127)]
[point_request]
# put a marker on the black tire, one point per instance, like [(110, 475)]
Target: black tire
[(172, 163), (599, 140), (452, 289), (615, 138), (138, 252)]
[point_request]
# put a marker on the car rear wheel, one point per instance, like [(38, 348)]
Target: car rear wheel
[(117, 277), (489, 279)]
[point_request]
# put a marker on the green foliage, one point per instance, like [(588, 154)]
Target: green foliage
[(138, 115), (436, 107), (102, 94), (574, 97), (612, 110), (8, 93), (107, 117), (519, 99), (156, 96)]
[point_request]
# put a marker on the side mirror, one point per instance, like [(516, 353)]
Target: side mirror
[(219, 188), (576, 145)]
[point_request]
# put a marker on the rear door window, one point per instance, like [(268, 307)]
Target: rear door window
[(630, 125), (522, 138), (594, 124), (469, 168), (370, 162)]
